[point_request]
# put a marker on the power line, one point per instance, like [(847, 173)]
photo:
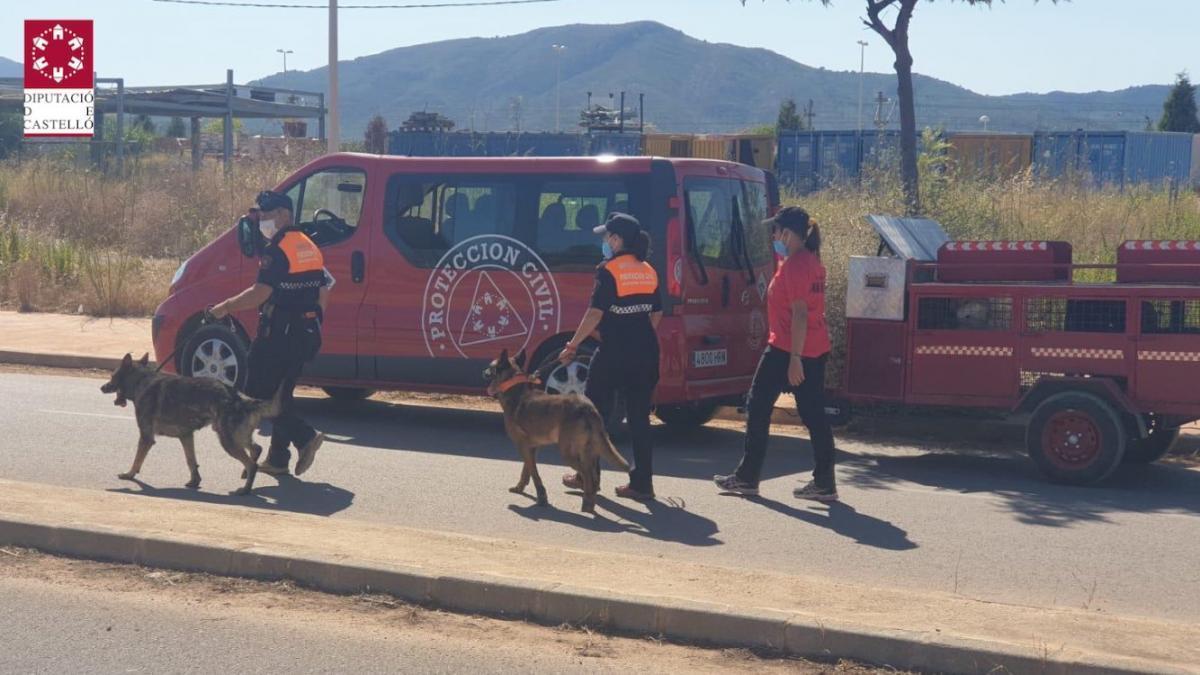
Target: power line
[(432, 5)]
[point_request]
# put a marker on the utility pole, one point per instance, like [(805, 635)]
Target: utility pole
[(558, 54), (880, 120), (285, 52), (335, 131), (862, 62), (809, 115), (621, 115)]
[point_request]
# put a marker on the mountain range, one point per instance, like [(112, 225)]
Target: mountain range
[(690, 85)]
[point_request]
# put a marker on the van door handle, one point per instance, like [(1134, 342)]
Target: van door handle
[(725, 291), (358, 264), (712, 339)]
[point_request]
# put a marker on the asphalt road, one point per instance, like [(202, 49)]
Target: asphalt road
[(950, 515)]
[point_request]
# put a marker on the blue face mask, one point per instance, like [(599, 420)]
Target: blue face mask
[(780, 248), (606, 250)]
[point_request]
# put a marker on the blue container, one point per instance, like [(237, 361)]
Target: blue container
[(623, 145), (1116, 158), (811, 160), (795, 163)]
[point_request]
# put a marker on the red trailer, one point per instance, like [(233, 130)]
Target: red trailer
[(1102, 372)]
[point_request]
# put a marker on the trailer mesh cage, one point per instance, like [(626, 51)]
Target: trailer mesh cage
[(1060, 315), (1171, 317), (951, 313)]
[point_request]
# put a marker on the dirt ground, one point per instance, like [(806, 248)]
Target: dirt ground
[(381, 614)]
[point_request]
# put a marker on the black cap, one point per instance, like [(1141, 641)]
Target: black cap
[(623, 225), (791, 218), (268, 200)]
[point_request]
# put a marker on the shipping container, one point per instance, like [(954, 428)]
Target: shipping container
[(1116, 158), (711, 147), (810, 160), (990, 155), (667, 145), (1196, 161), (756, 150)]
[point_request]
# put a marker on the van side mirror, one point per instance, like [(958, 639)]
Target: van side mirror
[(248, 238)]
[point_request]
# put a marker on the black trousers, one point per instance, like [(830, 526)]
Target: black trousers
[(771, 380), (632, 375), (277, 357)]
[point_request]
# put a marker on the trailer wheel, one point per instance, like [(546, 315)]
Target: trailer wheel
[(1075, 438), (1154, 446)]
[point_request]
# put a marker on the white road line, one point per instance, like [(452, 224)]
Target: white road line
[(83, 414)]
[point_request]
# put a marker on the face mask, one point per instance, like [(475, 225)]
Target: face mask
[(267, 227), (780, 248), (606, 250)]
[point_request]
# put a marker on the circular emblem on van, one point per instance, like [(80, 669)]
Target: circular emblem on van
[(488, 293)]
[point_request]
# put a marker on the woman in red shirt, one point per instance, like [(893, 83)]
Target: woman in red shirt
[(794, 360)]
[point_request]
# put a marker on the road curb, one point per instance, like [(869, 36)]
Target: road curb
[(554, 603), (46, 360)]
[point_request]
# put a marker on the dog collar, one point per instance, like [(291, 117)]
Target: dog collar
[(520, 378)]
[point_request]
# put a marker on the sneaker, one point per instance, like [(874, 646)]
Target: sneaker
[(630, 492), (308, 453), (571, 480), (735, 485), (816, 493), (272, 470)]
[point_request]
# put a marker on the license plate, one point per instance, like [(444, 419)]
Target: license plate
[(710, 358)]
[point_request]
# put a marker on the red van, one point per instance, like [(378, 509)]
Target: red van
[(441, 262)]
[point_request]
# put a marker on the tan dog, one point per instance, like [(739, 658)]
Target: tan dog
[(534, 418)]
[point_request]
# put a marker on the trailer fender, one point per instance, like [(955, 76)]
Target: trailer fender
[(1106, 389)]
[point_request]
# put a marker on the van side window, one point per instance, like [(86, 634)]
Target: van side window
[(1171, 317), (425, 218), (1055, 315), (753, 213), (329, 204), (709, 204), (567, 211)]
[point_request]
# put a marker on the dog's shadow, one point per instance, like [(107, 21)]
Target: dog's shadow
[(667, 520), (290, 494)]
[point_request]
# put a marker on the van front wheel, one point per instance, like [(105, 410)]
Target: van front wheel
[(686, 415)]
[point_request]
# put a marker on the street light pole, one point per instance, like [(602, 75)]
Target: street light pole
[(334, 132), (558, 51), (285, 52), (862, 62)]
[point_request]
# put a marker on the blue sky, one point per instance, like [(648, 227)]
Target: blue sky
[(1018, 46)]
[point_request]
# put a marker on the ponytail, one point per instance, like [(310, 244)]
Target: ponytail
[(813, 241), (640, 246)]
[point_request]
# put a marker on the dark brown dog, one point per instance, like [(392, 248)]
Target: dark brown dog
[(170, 405), (534, 418)]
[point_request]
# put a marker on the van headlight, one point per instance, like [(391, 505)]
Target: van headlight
[(179, 273)]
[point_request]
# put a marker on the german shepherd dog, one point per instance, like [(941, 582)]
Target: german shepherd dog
[(175, 406), (534, 418)]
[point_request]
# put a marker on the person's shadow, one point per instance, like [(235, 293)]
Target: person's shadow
[(846, 521), (289, 494), (663, 520)]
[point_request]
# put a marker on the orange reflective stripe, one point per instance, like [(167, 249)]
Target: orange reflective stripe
[(633, 276), (302, 254)]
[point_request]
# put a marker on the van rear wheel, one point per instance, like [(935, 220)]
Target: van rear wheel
[(215, 352), (1075, 438), (686, 415), (571, 378)]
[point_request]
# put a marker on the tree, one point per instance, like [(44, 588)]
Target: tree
[(176, 129), (789, 117), (375, 138), (896, 37), (1179, 110)]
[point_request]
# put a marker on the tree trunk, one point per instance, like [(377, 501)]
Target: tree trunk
[(908, 127)]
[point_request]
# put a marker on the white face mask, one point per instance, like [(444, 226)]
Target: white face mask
[(267, 227)]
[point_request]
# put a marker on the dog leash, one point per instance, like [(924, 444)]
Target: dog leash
[(206, 319)]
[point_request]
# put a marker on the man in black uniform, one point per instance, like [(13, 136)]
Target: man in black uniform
[(626, 309), (290, 293)]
